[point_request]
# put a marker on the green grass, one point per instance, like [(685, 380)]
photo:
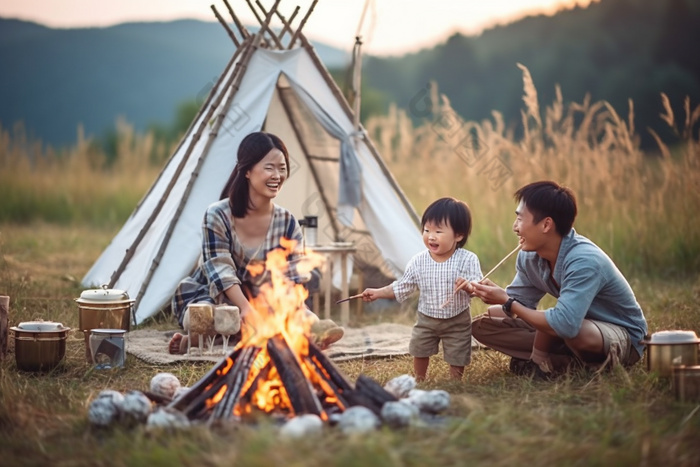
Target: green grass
[(618, 418)]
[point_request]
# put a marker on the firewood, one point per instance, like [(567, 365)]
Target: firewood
[(338, 393), (374, 390), (358, 398), (298, 388), (333, 373), (197, 407), (262, 374), (183, 401), (238, 377), (157, 398)]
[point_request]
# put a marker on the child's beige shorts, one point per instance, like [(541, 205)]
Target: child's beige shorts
[(455, 334)]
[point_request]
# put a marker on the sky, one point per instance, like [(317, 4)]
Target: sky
[(390, 27)]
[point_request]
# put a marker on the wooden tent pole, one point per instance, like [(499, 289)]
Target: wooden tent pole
[(287, 24), (189, 129), (357, 83), (244, 32), (348, 111), (314, 173), (195, 138), (297, 33), (239, 72), (264, 26), (229, 31)]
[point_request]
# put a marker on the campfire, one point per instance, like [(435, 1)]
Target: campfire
[(276, 368)]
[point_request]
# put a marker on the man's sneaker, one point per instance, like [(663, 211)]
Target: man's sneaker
[(528, 368)]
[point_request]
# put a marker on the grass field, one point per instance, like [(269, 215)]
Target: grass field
[(60, 209), (618, 418)]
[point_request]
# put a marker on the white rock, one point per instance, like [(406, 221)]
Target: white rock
[(136, 407), (165, 384), (167, 418), (302, 426), (182, 390), (106, 408), (400, 386), (435, 401), (399, 414), (358, 419), (116, 397)]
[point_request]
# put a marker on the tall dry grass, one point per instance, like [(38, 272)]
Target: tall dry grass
[(77, 184), (641, 207)]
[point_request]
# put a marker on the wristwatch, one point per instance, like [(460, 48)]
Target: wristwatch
[(506, 307)]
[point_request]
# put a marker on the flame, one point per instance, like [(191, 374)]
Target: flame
[(279, 309)]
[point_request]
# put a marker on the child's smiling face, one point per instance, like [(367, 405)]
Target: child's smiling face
[(440, 240)]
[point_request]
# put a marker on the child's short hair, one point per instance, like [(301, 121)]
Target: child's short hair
[(450, 211)]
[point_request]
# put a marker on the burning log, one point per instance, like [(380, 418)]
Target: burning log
[(262, 375), (332, 390), (183, 401), (300, 392), (235, 380), (331, 372)]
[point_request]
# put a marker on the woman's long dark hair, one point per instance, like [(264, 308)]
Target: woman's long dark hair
[(252, 150)]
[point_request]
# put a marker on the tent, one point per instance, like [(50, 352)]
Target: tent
[(282, 88)]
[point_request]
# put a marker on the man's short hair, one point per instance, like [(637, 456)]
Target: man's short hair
[(549, 199), (450, 211)]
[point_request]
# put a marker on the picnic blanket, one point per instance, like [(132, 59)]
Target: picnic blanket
[(377, 340)]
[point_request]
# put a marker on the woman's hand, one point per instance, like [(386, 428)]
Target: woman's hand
[(246, 309), (489, 292)]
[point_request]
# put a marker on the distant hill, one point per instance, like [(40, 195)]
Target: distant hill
[(613, 49), (52, 79)]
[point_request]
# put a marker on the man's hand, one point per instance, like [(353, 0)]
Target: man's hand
[(463, 284), (489, 292)]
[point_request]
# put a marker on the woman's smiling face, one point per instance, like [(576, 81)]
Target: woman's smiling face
[(267, 176)]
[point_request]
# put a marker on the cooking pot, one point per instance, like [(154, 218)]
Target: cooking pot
[(686, 383), (39, 345), (103, 308), (665, 349)]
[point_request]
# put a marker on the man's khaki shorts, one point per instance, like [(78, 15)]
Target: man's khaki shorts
[(455, 334), (617, 344)]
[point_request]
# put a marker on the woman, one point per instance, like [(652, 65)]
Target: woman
[(239, 230)]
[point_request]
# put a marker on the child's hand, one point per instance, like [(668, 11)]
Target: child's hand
[(370, 295), (463, 284)]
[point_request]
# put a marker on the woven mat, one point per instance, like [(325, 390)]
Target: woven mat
[(377, 340)]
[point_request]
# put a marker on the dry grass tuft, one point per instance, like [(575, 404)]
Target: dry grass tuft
[(640, 207)]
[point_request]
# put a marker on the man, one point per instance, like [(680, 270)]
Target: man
[(596, 319)]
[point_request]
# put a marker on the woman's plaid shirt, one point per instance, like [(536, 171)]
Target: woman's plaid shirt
[(436, 282), (224, 260)]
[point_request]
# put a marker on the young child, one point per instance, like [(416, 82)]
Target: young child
[(436, 272)]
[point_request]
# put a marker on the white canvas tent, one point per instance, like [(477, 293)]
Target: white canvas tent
[(286, 91)]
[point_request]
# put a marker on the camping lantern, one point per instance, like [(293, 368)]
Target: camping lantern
[(103, 309), (311, 230), (107, 348)]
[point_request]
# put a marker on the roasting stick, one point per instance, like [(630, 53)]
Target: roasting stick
[(349, 298), (515, 250)]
